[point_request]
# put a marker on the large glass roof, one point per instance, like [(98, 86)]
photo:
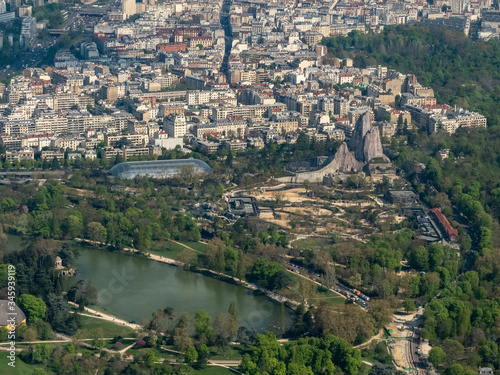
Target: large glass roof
[(159, 168)]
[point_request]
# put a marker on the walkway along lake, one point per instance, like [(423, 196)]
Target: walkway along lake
[(132, 287)]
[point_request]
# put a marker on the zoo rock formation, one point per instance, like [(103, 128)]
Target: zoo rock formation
[(344, 161), (366, 146)]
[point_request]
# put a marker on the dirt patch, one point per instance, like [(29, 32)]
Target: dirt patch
[(83, 193), (296, 195), (308, 211), (270, 217)]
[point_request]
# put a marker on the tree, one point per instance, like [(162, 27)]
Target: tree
[(75, 225), (356, 281), (150, 358), (420, 258), (203, 354), (182, 340), (58, 315), (55, 164), (380, 311), (437, 356), (41, 353), (29, 334), (70, 348), (96, 232), (264, 273), (188, 257), (98, 338), (202, 324), (225, 328), (33, 307), (191, 355), (329, 278), (279, 198), (229, 160), (241, 269), (215, 254), (409, 305)]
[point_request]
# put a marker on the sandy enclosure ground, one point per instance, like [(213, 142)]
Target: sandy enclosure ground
[(308, 211), (296, 195)]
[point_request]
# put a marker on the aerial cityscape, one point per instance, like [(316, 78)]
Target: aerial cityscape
[(241, 187)]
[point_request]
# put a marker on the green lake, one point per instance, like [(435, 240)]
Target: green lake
[(132, 288)]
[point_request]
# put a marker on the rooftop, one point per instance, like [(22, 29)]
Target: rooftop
[(159, 168)]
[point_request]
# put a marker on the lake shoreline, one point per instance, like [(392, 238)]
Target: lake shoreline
[(203, 271), (226, 279)]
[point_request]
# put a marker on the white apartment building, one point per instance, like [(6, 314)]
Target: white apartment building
[(175, 126)]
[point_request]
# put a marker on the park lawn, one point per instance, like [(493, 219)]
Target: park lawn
[(200, 246), (230, 353), (110, 329), (20, 369), (331, 300), (169, 249), (212, 370), (176, 246)]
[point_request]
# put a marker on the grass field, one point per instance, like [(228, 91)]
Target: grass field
[(231, 353), (20, 369), (110, 329), (331, 299), (201, 247), (171, 249)]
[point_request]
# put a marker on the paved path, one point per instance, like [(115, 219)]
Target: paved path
[(226, 364), (108, 317), (122, 351)]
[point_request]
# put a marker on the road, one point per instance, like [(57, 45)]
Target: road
[(226, 25), (405, 346), (339, 289)]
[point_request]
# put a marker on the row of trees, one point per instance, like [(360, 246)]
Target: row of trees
[(304, 356), (184, 331)]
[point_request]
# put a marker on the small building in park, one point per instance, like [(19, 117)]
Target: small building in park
[(10, 314)]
